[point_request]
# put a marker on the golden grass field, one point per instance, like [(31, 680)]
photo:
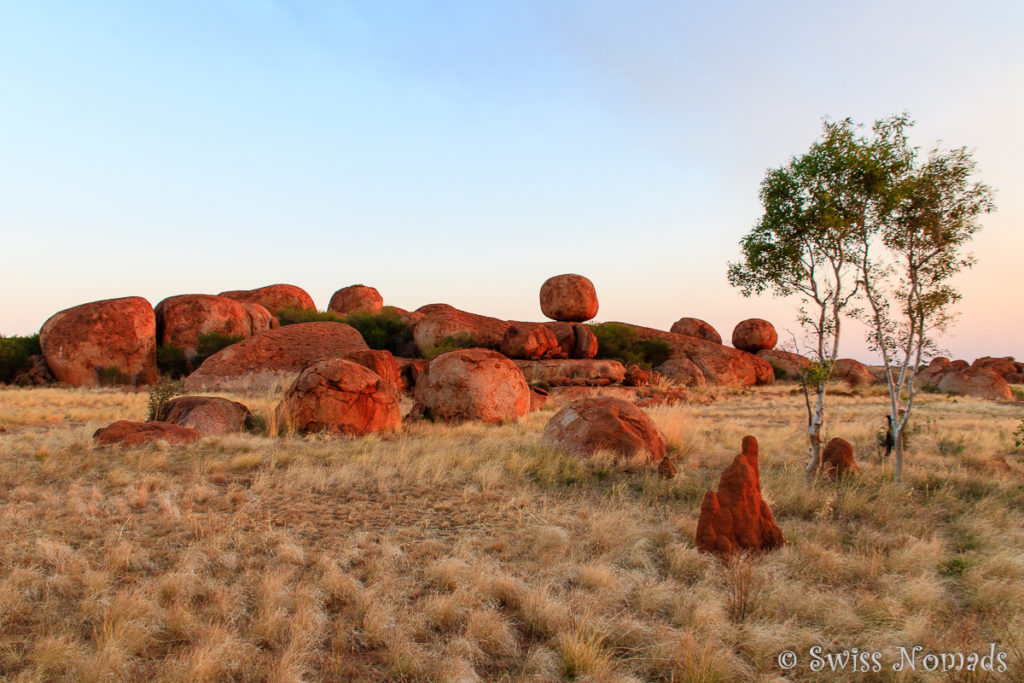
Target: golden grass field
[(474, 552)]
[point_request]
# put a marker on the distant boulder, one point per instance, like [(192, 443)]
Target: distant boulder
[(568, 298), (684, 371), (787, 365), (736, 518), (274, 297), (127, 433), (356, 299), (853, 372), (580, 371), (977, 382), (472, 384), (339, 396), (754, 335), (381, 362), (695, 327), (437, 322), (109, 341), (208, 415), (610, 424)]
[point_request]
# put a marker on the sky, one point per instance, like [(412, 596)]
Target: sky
[(463, 152)]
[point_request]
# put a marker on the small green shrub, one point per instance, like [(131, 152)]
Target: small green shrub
[(780, 372), (952, 447), (1018, 435), (616, 341), (14, 355), (383, 331), (462, 340), (171, 361), (292, 315), (159, 396), (211, 343), (111, 376)]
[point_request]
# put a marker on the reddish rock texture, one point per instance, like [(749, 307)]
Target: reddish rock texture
[(340, 396), (356, 299), (208, 415), (565, 335), (1007, 368), (636, 376), (180, 320), (719, 364), (472, 384), (260, 319), (274, 357), (538, 398), (792, 365), (586, 342), (605, 424), (837, 460), (410, 369), (978, 382), (274, 297), (735, 518), (568, 298), (683, 371), (695, 327), (754, 335), (853, 372), (435, 322), (382, 363), (36, 374), (127, 433), (529, 340), (558, 372), (80, 342)]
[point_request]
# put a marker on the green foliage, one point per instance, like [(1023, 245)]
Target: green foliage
[(384, 331), (954, 567), (1018, 435), (14, 355), (111, 376), (292, 315), (462, 340), (171, 361), (159, 396), (780, 372), (211, 343), (619, 342)]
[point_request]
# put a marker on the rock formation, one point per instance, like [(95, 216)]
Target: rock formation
[(853, 372), (340, 396), (754, 335), (127, 433), (109, 341), (208, 415), (531, 341), (735, 518), (568, 298), (611, 424), (791, 365), (695, 327), (436, 322), (274, 297), (260, 319), (356, 299), (381, 362), (181, 320), (472, 384)]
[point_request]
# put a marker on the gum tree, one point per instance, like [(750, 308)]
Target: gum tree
[(816, 210), (907, 262)]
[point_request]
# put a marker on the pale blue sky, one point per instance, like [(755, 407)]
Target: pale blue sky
[(462, 152)]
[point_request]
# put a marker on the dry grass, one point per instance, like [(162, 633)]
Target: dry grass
[(476, 553)]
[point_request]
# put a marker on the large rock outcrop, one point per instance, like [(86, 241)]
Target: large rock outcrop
[(181, 320), (1006, 367), (472, 384), (568, 298), (580, 371), (274, 297), (695, 327), (720, 365), (785, 364), (208, 415), (735, 518), (683, 371), (436, 322), (356, 299), (753, 335), (128, 433), (340, 396), (112, 341), (530, 340), (977, 382), (274, 357), (853, 372), (606, 424)]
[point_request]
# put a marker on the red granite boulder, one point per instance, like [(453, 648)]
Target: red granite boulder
[(128, 433), (695, 327), (853, 372), (181, 320), (735, 518), (529, 340), (682, 370), (356, 299), (339, 396), (208, 415), (977, 382), (274, 297), (472, 384), (789, 366), (381, 362), (260, 319), (433, 323), (109, 341), (754, 335), (611, 424), (568, 298)]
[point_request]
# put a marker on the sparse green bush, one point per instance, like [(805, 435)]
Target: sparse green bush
[(1018, 435), (462, 340), (618, 342), (171, 361), (159, 396), (780, 372), (111, 376), (211, 343), (292, 315), (384, 331), (14, 355)]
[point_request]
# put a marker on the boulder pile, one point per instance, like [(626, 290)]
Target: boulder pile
[(274, 298), (957, 377)]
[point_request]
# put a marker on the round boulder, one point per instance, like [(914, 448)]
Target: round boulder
[(695, 327), (853, 372), (208, 415), (274, 297), (340, 396), (181, 320), (128, 433), (260, 319), (754, 335), (111, 341), (605, 424), (978, 382), (381, 362), (356, 299), (529, 340), (568, 298), (472, 384)]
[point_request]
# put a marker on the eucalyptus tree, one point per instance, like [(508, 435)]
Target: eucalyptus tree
[(817, 208)]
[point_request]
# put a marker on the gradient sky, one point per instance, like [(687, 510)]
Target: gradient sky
[(462, 152)]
